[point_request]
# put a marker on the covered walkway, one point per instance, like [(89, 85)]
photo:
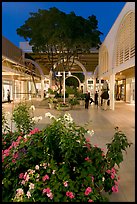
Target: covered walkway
[(103, 124)]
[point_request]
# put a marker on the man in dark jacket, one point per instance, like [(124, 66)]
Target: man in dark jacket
[(87, 98)]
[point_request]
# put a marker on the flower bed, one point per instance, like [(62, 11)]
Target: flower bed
[(58, 164)]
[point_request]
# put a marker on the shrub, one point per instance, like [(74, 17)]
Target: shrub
[(58, 164), (22, 118), (73, 101)]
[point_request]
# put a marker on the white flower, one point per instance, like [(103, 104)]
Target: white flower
[(67, 117), (20, 192), (90, 132), (49, 115), (25, 136), (31, 186), (74, 168), (78, 141), (28, 194), (37, 167), (103, 179), (32, 107), (37, 118), (53, 172)]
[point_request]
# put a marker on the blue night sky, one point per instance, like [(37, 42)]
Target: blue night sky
[(14, 14)]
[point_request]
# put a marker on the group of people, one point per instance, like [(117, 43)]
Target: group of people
[(104, 100)]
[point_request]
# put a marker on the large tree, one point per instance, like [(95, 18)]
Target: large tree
[(53, 31)]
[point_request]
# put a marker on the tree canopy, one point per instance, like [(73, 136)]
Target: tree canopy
[(53, 30)]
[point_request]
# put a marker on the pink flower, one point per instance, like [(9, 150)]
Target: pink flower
[(15, 156), (87, 191), (95, 145), (65, 183), (92, 178), (87, 139), (115, 189), (46, 177), (108, 171), (46, 190), (26, 177), (103, 154), (70, 194), (113, 170), (50, 195), (13, 160), (21, 175), (35, 130), (112, 176), (87, 158), (19, 138), (90, 200), (116, 182)]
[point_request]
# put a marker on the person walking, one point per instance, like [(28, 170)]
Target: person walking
[(8, 96), (96, 99), (87, 98)]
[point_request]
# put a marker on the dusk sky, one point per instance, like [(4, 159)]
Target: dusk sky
[(14, 14)]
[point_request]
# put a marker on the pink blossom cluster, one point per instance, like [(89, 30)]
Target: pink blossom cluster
[(35, 130), (90, 200), (115, 188), (46, 177), (6, 152), (48, 192), (70, 194), (88, 191), (112, 172)]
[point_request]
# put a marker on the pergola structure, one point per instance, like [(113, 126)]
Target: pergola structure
[(88, 60)]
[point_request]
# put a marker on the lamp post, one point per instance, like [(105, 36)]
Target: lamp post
[(59, 74)]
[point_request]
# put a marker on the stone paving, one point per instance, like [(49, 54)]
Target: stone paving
[(103, 123)]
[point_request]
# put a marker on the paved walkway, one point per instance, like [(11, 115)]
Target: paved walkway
[(103, 124)]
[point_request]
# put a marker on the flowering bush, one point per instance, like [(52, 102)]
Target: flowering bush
[(22, 118), (58, 164)]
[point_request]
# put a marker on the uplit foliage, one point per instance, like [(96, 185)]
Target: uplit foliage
[(58, 164)]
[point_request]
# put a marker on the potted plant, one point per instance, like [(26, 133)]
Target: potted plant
[(73, 102)]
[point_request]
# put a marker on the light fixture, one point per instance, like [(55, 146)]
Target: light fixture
[(59, 74), (69, 73)]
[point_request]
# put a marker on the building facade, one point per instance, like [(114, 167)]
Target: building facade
[(117, 57)]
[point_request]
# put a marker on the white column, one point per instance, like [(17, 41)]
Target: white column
[(94, 86), (64, 85), (85, 83), (99, 98), (112, 91), (42, 87), (13, 88)]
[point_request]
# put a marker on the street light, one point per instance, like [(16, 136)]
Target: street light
[(59, 74)]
